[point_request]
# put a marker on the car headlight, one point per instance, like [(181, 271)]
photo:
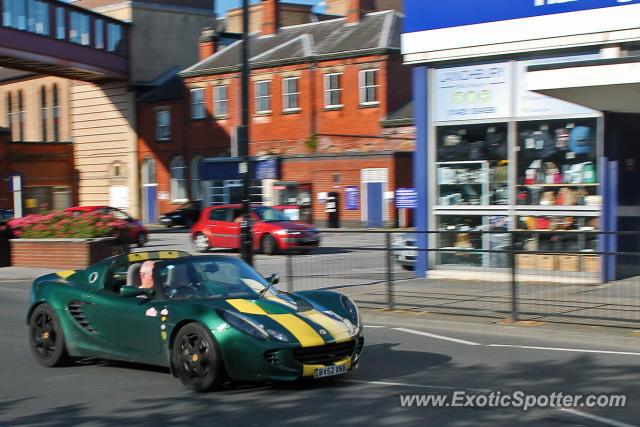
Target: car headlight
[(281, 232), (244, 324), (351, 308), (278, 335)]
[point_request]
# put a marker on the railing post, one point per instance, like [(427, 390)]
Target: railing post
[(389, 257), (514, 285), (289, 268)]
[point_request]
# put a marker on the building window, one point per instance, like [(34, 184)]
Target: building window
[(198, 110), (61, 25), (290, 93), (14, 14), (368, 87), (195, 177), (163, 125), (178, 181), (98, 37), (263, 96), (38, 17), (56, 114), (43, 110), (332, 90), (20, 117), (115, 39), (220, 94), (79, 28), (10, 113)]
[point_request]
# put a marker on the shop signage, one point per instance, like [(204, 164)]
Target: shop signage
[(534, 104), (267, 169), (473, 92), (423, 15), (163, 195), (351, 196), (406, 198)]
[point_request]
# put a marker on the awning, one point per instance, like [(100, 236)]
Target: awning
[(611, 84), (224, 168)]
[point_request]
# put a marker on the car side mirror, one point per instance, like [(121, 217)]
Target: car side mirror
[(274, 279), (134, 291)]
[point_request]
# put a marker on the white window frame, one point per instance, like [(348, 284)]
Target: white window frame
[(330, 90), (198, 110), (262, 97), (178, 184), (98, 33), (163, 124), (287, 96), (364, 87), (221, 103)]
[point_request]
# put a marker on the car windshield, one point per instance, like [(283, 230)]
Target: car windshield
[(210, 278), (267, 214)]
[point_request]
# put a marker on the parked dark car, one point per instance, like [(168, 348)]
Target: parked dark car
[(186, 215), (5, 215)]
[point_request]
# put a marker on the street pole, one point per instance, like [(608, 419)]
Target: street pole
[(246, 241)]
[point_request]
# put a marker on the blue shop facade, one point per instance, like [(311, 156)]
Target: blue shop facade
[(526, 120)]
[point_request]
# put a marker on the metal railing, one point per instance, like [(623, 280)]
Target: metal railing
[(512, 279)]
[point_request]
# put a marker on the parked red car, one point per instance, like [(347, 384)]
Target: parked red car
[(137, 233), (219, 227)]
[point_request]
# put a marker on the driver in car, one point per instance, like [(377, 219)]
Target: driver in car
[(146, 274)]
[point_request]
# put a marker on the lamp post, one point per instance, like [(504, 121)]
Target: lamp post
[(246, 241)]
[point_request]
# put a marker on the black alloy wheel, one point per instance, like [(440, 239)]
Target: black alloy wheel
[(268, 245), (46, 338), (195, 358)]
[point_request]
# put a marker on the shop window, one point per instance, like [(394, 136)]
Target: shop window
[(14, 14), (56, 114), (115, 39), (290, 93), (163, 125), (220, 100), (557, 163), (368, 87), (198, 110), (332, 90), (263, 96), (38, 17), (472, 165), (178, 179), (43, 112)]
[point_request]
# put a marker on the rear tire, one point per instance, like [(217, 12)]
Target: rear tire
[(201, 242), (46, 338), (141, 239), (195, 358), (268, 245)]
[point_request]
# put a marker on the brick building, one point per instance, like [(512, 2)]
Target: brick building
[(321, 96)]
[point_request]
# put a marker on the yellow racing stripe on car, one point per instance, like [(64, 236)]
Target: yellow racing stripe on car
[(282, 301), (66, 273), (244, 306), (300, 329), (339, 330), (138, 256), (168, 254)]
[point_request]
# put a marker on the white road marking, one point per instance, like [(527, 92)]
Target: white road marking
[(603, 420), (579, 350), (439, 337), (374, 326), (435, 387)]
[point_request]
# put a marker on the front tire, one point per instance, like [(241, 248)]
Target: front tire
[(195, 358), (46, 338), (268, 245), (201, 242)]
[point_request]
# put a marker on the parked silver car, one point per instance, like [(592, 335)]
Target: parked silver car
[(404, 250)]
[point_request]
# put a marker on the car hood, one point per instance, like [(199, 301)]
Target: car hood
[(301, 320)]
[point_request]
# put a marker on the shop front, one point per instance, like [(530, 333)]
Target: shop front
[(492, 154)]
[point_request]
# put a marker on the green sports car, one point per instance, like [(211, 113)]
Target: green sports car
[(207, 318)]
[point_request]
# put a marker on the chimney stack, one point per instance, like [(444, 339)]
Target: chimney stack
[(207, 43), (269, 17), (357, 9)]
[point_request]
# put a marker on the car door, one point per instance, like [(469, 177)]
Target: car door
[(125, 327), (220, 227)]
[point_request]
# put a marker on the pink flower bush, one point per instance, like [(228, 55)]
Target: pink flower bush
[(64, 224)]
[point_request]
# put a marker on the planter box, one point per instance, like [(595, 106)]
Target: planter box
[(70, 254)]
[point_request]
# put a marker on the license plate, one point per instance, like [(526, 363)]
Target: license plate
[(328, 371)]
